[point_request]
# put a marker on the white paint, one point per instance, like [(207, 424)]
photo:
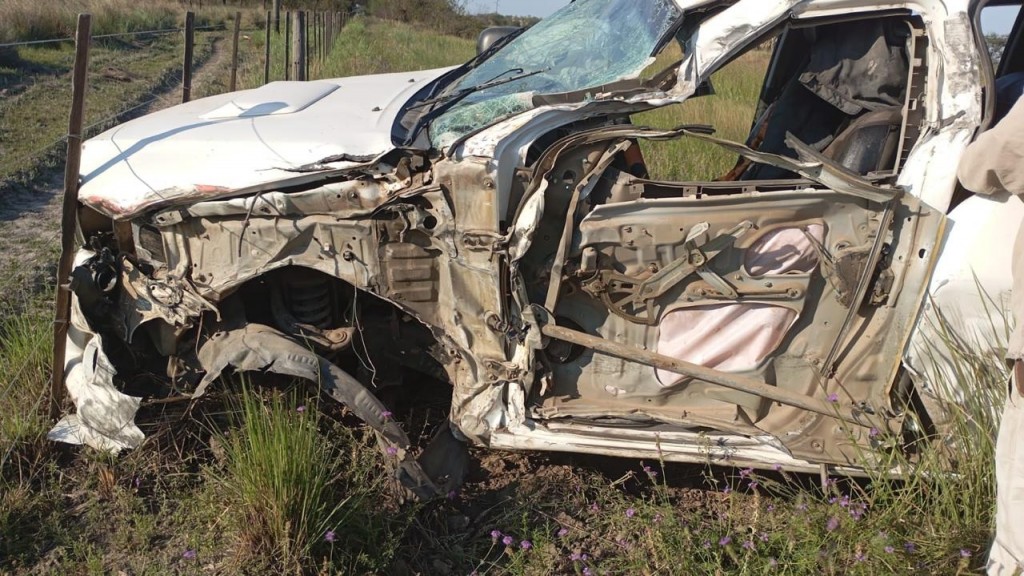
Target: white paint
[(971, 287), (171, 152), (272, 99)]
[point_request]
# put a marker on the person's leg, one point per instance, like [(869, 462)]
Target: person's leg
[(1007, 553)]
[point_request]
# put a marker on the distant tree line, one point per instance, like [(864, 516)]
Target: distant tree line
[(996, 44)]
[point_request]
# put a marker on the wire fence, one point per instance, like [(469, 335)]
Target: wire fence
[(70, 39)]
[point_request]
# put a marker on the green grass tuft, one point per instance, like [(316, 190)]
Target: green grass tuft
[(299, 498)]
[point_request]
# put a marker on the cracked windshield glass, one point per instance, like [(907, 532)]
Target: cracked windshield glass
[(586, 44)]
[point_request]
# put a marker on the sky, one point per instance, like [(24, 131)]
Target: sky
[(995, 20), (998, 19)]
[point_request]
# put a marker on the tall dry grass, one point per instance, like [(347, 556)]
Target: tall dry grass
[(26, 20)]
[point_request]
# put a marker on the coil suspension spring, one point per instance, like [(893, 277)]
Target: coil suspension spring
[(308, 297)]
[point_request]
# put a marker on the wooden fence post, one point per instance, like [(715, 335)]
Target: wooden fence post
[(186, 71), (277, 16), (266, 54), (299, 46), (68, 222), (234, 53), (288, 45)]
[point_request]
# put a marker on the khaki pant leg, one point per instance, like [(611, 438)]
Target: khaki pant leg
[(1007, 552)]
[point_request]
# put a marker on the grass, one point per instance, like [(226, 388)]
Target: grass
[(258, 486), (366, 46), (292, 492), (730, 110), (26, 20)]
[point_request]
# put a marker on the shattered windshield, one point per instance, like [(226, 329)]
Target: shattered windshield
[(586, 44)]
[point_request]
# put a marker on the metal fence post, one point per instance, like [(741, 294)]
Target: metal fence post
[(186, 72), (234, 52), (69, 217), (266, 53), (287, 45), (299, 46)]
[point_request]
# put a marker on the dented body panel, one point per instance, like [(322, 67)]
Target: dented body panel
[(450, 230)]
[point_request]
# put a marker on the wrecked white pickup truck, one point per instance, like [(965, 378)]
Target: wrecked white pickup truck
[(493, 226)]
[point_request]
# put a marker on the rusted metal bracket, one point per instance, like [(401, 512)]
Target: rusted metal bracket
[(840, 411)]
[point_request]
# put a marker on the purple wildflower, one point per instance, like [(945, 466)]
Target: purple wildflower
[(844, 501), (330, 536), (586, 571), (562, 532), (594, 507), (860, 557), (630, 512), (889, 549), (753, 485), (508, 540), (832, 524), (873, 433), (495, 534), (773, 562), (575, 557), (965, 553), (386, 414), (301, 409), (452, 495), (833, 398), (727, 489), (749, 545), (189, 554), (763, 536), (526, 544), (137, 482), (391, 450), (725, 541), (746, 472), (802, 507), (778, 468), (707, 543), (857, 512), (910, 547), (771, 507)]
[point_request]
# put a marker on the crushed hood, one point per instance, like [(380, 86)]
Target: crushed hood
[(242, 139)]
